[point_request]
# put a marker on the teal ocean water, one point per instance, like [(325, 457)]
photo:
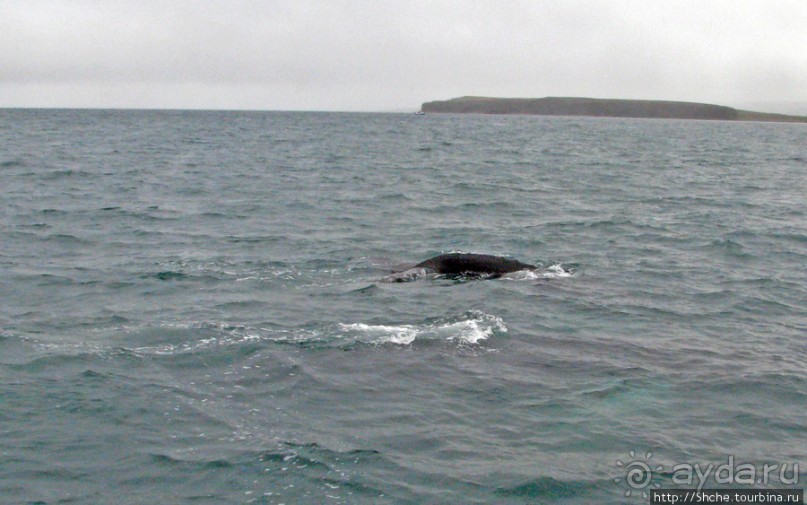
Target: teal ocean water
[(194, 308)]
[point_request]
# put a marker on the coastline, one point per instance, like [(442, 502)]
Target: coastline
[(600, 107)]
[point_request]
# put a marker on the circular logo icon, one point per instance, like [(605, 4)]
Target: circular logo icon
[(638, 474)]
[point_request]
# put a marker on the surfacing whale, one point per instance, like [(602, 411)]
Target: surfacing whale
[(467, 263), (463, 264)]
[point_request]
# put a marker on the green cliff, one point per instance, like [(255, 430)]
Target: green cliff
[(597, 107)]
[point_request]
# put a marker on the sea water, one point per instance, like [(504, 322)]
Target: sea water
[(194, 307)]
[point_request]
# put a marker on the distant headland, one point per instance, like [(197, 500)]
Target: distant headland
[(599, 107)]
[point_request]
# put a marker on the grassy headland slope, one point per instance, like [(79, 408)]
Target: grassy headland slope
[(598, 107)]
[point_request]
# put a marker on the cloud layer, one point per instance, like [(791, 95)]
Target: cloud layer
[(382, 55)]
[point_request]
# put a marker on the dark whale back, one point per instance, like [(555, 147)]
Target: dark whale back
[(467, 263)]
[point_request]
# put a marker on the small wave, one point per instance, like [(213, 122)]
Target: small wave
[(313, 473), (174, 339), (549, 488), (66, 238), (470, 328), (225, 270), (728, 247), (169, 276), (394, 197), (551, 272), (407, 275), (40, 354), (169, 460), (214, 335), (67, 172), (377, 333)]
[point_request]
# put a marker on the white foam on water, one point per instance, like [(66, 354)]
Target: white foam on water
[(378, 333), (551, 272), (557, 270), (223, 335), (471, 331), (470, 328), (407, 275)]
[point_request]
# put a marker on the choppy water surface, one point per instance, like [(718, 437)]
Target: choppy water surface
[(193, 308)]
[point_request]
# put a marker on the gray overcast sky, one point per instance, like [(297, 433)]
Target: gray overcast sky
[(386, 55)]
